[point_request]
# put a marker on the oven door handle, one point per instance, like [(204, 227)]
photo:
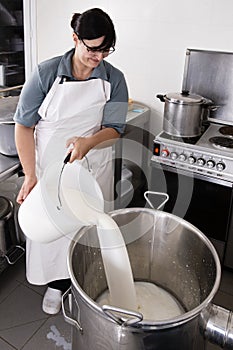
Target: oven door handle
[(158, 194)]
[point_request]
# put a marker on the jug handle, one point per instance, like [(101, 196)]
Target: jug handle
[(135, 317), (157, 193), (67, 318)]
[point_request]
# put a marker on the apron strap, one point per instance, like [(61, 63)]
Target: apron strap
[(44, 106)]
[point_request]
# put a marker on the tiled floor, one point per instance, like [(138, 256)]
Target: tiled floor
[(24, 326)]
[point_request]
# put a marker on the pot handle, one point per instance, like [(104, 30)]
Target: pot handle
[(11, 88), (159, 194), (161, 97), (110, 311), (14, 254), (67, 318), (212, 108), (218, 326), (209, 104), (7, 122)]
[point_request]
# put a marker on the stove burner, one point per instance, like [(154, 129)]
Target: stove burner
[(191, 140), (226, 130), (222, 142)]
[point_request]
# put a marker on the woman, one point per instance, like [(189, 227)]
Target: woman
[(76, 99)]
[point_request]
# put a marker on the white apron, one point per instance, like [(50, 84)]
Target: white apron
[(73, 108)]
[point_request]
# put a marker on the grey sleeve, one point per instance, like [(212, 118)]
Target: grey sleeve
[(31, 97), (116, 108)]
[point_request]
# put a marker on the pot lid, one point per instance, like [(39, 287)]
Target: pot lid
[(8, 107), (184, 98)]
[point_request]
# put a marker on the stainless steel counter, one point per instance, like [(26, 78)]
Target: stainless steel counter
[(8, 166)]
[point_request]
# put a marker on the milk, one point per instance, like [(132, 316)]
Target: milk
[(153, 302), (114, 253), (116, 264)]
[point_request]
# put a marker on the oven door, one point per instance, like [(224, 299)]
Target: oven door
[(205, 202)]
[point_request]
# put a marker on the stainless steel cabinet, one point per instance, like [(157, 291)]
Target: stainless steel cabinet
[(132, 153)]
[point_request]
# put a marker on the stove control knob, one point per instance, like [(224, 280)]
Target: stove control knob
[(210, 163), (164, 153), (220, 166), (182, 157), (201, 161), (174, 155), (191, 159)]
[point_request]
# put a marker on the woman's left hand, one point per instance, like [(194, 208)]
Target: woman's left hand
[(79, 147)]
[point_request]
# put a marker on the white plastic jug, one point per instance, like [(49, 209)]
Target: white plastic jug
[(46, 214)]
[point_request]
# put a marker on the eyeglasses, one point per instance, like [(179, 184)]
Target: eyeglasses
[(93, 50)]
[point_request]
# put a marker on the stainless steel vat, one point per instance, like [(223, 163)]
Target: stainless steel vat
[(165, 250)]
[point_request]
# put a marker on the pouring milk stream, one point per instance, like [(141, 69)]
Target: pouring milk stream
[(83, 205)]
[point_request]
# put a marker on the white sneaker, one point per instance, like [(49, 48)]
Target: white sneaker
[(52, 301)]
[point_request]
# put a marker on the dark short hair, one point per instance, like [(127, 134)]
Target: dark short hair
[(93, 24)]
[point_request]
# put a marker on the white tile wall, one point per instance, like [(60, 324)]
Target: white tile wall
[(152, 38)]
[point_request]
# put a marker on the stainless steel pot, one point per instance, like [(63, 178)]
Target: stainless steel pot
[(165, 250), (7, 125), (7, 139), (7, 226), (9, 244), (184, 113)]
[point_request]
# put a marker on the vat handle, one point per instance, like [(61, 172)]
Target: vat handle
[(67, 318), (159, 194), (135, 317)]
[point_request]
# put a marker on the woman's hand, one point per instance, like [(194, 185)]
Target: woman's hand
[(79, 147), (28, 184), (25, 142)]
